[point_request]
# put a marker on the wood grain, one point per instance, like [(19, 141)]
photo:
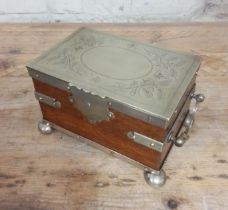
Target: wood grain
[(111, 134), (59, 172)]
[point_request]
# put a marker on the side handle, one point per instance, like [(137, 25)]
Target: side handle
[(183, 136)]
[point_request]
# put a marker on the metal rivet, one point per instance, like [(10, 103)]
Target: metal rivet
[(110, 114), (152, 144), (130, 135), (150, 119), (71, 99), (89, 104), (37, 75)]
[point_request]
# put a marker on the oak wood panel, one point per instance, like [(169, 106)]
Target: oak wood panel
[(56, 172)]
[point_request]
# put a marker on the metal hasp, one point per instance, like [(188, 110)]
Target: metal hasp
[(47, 100), (146, 141), (93, 107)]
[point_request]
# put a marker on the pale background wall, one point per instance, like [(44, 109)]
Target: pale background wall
[(112, 10)]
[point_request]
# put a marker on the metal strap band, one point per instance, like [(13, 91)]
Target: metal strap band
[(47, 100)]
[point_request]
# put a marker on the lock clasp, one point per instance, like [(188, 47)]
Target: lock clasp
[(93, 107)]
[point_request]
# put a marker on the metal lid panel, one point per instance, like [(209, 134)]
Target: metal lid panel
[(147, 78)]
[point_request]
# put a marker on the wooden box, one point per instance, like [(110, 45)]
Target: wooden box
[(123, 96)]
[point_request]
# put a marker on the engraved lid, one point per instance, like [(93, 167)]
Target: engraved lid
[(143, 77)]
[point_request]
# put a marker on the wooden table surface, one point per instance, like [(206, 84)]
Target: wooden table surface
[(59, 172)]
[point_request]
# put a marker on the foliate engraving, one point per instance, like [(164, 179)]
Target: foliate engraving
[(143, 88), (165, 67), (65, 58)]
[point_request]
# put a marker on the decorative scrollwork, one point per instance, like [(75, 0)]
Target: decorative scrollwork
[(166, 67), (143, 88)]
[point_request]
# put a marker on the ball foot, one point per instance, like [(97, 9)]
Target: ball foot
[(44, 127), (155, 179)]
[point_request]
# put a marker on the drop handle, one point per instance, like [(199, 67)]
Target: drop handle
[(183, 136)]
